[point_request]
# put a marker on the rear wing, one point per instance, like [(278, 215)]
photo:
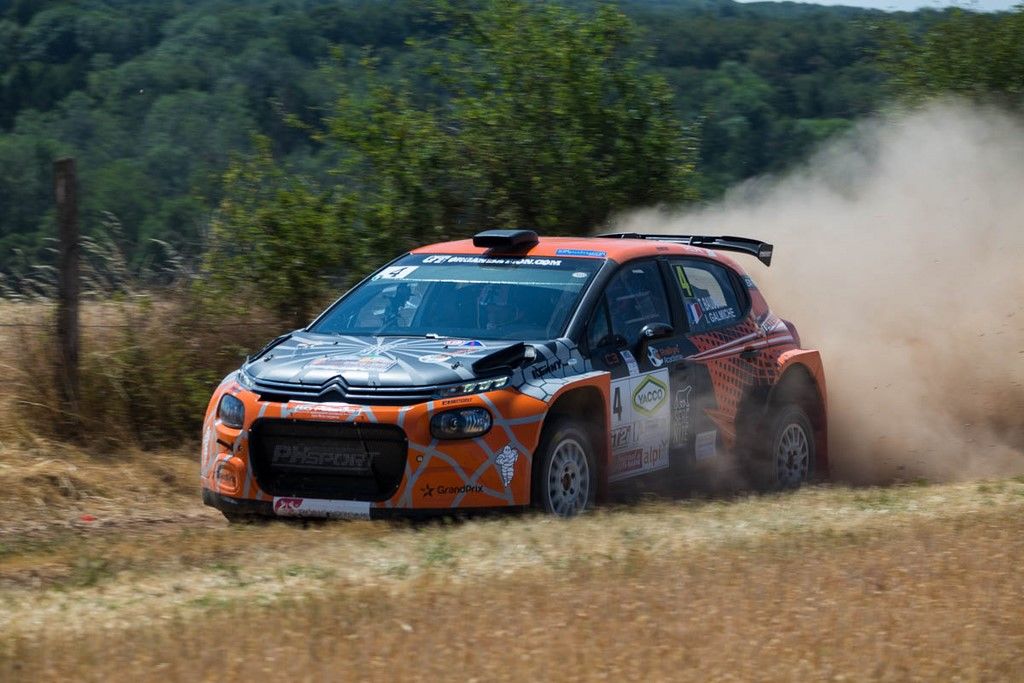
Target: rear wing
[(744, 245)]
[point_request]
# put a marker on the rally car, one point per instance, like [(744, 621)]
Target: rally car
[(512, 370)]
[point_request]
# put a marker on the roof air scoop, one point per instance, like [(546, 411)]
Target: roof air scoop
[(505, 240)]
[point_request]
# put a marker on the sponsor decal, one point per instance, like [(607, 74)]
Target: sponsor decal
[(637, 461), (579, 274), (324, 410), (649, 395), (325, 457), (456, 401), (612, 359), (706, 445), (506, 459), (498, 261), (655, 458), (547, 368), (721, 315), (436, 258), (749, 282), (665, 354), (634, 369), (681, 415), (448, 355), (769, 324), (364, 363), (627, 462), (464, 343), (581, 252), (317, 507), (429, 491), (282, 505), (395, 273), (635, 433), (624, 436)]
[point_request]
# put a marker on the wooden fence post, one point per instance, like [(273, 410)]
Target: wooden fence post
[(66, 194)]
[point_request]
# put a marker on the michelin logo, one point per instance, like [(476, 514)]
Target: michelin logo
[(506, 462)]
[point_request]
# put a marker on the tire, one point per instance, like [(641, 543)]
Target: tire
[(787, 454), (565, 470)]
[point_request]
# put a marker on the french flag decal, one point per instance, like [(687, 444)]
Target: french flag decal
[(694, 311)]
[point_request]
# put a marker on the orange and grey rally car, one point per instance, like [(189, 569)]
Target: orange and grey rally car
[(513, 370)]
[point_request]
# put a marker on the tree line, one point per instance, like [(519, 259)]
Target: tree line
[(239, 134)]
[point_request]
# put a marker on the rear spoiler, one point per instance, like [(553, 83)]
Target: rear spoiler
[(744, 245)]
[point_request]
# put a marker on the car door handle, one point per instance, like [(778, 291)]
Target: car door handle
[(749, 353)]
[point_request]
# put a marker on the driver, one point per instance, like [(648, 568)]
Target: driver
[(499, 307)]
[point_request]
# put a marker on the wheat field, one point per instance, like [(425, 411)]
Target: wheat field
[(112, 570)]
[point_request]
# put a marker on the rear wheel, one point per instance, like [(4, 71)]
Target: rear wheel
[(565, 472), (787, 456)]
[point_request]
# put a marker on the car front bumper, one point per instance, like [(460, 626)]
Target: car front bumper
[(489, 471)]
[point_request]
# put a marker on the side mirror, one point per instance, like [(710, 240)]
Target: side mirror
[(653, 331)]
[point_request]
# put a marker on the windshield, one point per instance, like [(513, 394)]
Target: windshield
[(451, 295)]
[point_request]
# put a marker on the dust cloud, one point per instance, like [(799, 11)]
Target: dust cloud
[(899, 252)]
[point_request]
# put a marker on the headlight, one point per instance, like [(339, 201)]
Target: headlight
[(461, 423), (231, 411), (477, 387)]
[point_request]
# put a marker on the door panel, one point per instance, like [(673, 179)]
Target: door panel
[(717, 322), (641, 387)]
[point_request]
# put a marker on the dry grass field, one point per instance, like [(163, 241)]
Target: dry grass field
[(110, 569)]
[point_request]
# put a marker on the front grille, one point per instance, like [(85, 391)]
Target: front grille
[(282, 392), (334, 460)]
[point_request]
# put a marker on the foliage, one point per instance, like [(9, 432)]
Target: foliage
[(974, 55), (155, 99), (540, 117), (272, 240), (558, 117)]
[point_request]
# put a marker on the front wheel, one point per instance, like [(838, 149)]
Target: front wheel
[(565, 472)]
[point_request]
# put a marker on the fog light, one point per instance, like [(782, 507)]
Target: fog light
[(462, 423), (231, 411), (226, 477)]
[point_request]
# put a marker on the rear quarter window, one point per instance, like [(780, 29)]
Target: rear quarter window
[(709, 295)]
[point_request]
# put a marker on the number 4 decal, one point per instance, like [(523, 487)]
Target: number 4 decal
[(617, 404)]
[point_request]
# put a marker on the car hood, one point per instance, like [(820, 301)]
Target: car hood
[(313, 360)]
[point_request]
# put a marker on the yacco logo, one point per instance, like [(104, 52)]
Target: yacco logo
[(649, 395)]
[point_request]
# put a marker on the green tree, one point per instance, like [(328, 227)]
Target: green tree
[(538, 117), (560, 118), (272, 240), (966, 53)]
